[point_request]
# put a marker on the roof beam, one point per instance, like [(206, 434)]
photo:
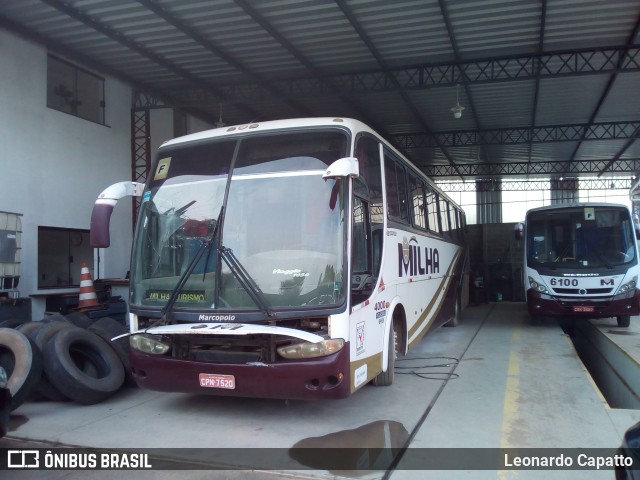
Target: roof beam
[(621, 166), (566, 63), (536, 92), (533, 184), (607, 88), (456, 52), (519, 135), (401, 91), (221, 53), (328, 87)]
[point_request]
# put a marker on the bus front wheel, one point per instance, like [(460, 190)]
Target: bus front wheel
[(384, 379), (624, 320)]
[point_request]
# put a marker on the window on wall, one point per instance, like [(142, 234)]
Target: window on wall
[(75, 91), (61, 252)]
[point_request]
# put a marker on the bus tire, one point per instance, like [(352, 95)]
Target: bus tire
[(46, 388), (108, 328), (384, 379), (22, 361), (12, 323), (457, 309), (624, 320), (28, 328), (63, 355), (79, 319)]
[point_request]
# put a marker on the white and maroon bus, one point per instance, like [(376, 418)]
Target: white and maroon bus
[(285, 259), (581, 261)]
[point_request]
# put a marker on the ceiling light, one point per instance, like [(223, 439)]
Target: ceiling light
[(457, 109)]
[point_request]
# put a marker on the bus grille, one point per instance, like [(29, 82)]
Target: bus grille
[(588, 291)]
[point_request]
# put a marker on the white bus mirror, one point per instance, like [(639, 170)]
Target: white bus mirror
[(343, 168), (102, 209), (519, 231)]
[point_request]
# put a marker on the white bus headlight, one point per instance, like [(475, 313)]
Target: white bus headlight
[(538, 287), (626, 287), (312, 350), (147, 344)]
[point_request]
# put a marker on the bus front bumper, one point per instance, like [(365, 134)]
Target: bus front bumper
[(542, 304), (317, 378)]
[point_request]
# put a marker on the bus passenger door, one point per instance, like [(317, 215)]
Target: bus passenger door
[(362, 279)]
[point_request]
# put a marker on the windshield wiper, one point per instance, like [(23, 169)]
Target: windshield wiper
[(165, 313), (248, 283)]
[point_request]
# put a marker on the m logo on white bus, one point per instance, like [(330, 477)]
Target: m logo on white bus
[(415, 260)]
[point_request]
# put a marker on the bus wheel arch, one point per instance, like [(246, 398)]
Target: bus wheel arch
[(394, 345)]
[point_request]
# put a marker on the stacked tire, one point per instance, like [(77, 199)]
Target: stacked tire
[(67, 357)]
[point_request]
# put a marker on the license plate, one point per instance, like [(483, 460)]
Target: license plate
[(584, 309), (209, 380)]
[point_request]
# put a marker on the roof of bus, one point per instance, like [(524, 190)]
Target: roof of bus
[(350, 123), (576, 205)]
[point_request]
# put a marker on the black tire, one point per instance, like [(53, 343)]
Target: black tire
[(457, 309), (384, 379), (56, 317), (79, 319), (5, 410), (624, 320), (108, 328), (12, 322), (22, 361), (28, 328), (64, 357), (46, 387)]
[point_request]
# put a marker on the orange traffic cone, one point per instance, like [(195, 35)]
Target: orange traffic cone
[(88, 297)]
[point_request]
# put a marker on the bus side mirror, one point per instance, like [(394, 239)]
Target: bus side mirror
[(343, 168), (519, 231), (102, 209)]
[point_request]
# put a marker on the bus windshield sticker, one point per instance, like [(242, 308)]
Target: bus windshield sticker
[(359, 338), (162, 169), (589, 213)]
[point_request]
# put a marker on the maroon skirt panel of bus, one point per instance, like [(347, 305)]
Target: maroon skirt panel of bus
[(614, 306), (319, 378)]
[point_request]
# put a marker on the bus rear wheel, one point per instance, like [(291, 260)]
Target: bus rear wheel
[(457, 308), (384, 379), (624, 320)]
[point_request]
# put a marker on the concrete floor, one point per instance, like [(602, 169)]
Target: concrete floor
[(512, 386)]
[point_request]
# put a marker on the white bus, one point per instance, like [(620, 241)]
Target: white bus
[(285, 259), (581, 261)]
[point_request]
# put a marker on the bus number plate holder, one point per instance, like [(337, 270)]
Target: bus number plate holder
[(584, 309), (210, 380)]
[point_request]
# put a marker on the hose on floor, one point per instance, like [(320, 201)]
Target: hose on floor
[(428, 371)]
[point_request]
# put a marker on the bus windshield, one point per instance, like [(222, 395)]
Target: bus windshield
[(282, 224), (583, 237)]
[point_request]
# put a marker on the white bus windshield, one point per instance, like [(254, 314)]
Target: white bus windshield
[(282, 222), (580, 238)]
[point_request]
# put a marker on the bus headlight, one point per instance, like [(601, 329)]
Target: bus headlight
[(147, 344), (312, 350), (538, 287), (626, 287)]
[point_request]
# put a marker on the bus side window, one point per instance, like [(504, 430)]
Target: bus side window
[(432, 211), (362, 280), (397, 195)]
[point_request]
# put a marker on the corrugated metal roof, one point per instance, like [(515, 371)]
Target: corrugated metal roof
[(542, 82)]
